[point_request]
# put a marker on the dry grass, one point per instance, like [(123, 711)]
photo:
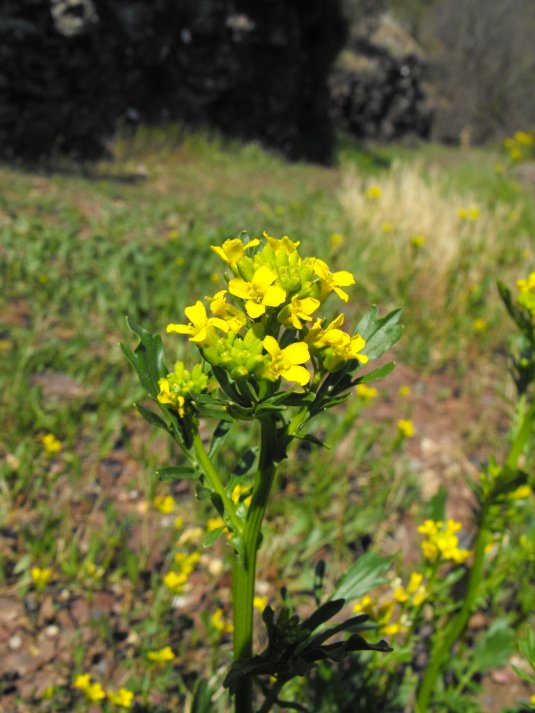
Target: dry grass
[(414, 228)]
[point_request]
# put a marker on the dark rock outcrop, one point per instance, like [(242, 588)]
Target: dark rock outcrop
[(376, 85), (70, 70)]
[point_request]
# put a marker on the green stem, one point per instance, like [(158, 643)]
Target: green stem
[(244, 568), (215, 481), (456, 626)]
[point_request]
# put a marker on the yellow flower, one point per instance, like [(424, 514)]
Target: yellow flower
[(199, 324), (95, 692), (164, 504), (336, 239), (175, 581), (286, 362), (479, 325), (418, 241), (373, 192), (50, 443), (218, 622), (527, 285), (82, 681), (237, 492), (332, 281), (260, 603), (406, 427), (471, 213), (364, 605), (515, 153), (400, 594), (415, 582), (40, 576), (298, 309), (441, 541), (161, 656), (430, 527), (366, 392), (179, 522), (390, 629), (387, 227), (166, 396), (233, 250), (214, 523), (404, 391), (521, 493), (259, 293), (284, 243), (122, 698), (523, 138), (234, 317)]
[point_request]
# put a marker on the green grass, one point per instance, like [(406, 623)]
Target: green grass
[(81, 247)]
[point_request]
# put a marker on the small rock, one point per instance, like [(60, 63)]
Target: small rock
[(15, 642)]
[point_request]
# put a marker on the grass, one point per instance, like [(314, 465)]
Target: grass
[(83, 246)]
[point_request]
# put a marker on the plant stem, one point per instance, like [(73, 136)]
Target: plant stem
[(215, 481), (244, 568), (457, 625)]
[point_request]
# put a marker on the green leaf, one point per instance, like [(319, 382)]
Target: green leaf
[(246, 462), (526, 646), (436, 507), (176, 472), (322, 614), (363, 576), (388, 331), (311, 438), (148, 359), (495, 647), (376, 374), (213, 536), (218, 437), (152, 417), (367, 324), (218, 414)]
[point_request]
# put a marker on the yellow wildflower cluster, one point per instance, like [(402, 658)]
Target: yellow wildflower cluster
[(175, 580), (414, 594), (471, 213), (441, 541), (94, 692), (178, 384), (381, 613), (218, 621), (50, 443), (406, 427), (161, 655), (164, 504), (366, 393), (526, 293), (519, 145), (272, 288), (40, 576)]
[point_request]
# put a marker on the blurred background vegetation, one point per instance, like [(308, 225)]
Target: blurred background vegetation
[(286, 73)]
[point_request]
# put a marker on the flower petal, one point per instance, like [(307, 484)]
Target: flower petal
[(239, 288), (196, 313), (343, 278), (274, 296), (263, 278), (296, 353), (271, 346), (254, 310), (296, 373), (179, 329)]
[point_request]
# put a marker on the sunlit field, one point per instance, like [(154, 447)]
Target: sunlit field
[(115, 592)]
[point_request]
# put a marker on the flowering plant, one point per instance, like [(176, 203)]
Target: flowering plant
[(267, 355)]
